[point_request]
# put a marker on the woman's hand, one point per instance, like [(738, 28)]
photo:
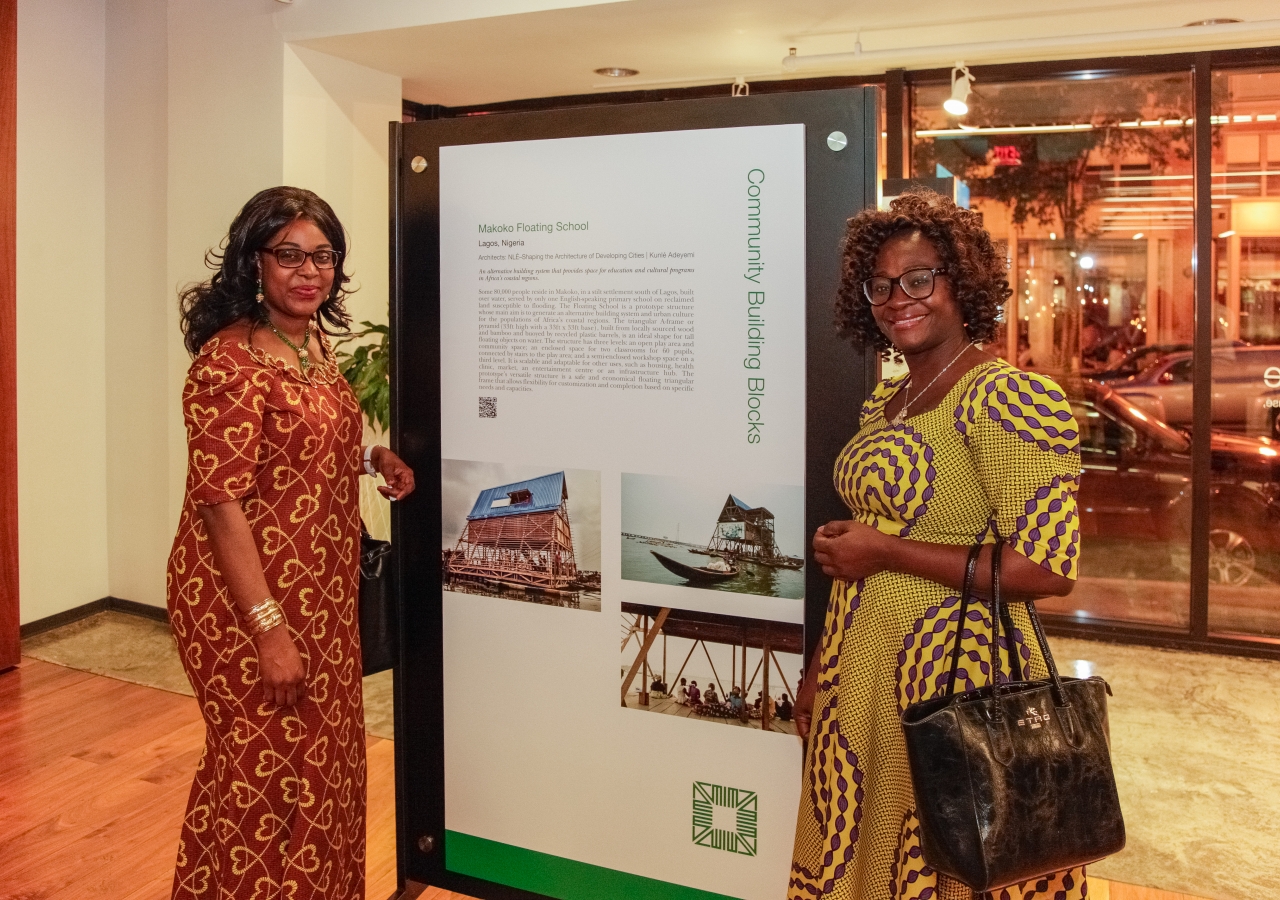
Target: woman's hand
[(280, 667), (802, 711), (398, 475), (850, 550)]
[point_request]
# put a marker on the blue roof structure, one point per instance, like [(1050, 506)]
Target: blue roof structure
[(760, 513), (545, 494)]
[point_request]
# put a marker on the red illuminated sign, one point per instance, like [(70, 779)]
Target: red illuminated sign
[(1006, 156)]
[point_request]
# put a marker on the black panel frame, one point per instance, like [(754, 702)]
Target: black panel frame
[(838, 377)]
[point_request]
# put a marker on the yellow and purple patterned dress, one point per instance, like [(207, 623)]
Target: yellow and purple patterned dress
[(997, 459)]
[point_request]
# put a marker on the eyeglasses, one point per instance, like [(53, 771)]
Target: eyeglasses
[(293, 258), (915, 283)]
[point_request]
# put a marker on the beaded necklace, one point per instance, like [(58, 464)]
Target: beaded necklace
[(304, 360)]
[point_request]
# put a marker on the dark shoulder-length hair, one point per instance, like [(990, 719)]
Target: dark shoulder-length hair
[(230, 295), (979, 275)]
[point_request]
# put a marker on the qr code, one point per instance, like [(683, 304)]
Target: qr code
[(488, 407)]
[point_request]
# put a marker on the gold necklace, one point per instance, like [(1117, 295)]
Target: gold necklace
[(906, 388), (304, 360)]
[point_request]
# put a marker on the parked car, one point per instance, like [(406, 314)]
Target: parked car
[(1136, 484), (1137, 360), (1244, 378)]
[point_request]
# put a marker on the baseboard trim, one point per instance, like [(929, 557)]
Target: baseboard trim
[(114, 604)]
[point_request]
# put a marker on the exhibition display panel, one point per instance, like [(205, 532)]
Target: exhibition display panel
[(617, 378)]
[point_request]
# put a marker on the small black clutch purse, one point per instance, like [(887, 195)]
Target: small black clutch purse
[(379, 622), (1012, 781)]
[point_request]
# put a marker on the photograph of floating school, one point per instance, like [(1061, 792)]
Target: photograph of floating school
[(714, 534), (711, 668), (521, 533)]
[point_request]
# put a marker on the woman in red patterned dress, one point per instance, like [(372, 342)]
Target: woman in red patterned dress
[(263, 575)]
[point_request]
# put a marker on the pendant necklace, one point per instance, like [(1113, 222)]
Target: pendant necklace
[(304, 360), (906, 396)]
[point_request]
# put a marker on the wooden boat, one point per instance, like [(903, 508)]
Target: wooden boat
[(775, 562), (696, 574), (787, 562)]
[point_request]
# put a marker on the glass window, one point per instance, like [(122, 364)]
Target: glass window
[(1101, 432), (1244, 539), (1088, 185)]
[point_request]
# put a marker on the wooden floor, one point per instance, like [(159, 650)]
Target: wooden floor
[(94, 775)]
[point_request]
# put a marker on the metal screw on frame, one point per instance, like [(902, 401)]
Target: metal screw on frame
[(837, 141), (426, 843), (419, 164)]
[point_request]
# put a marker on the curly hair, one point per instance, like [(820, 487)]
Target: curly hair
[(231, 294), (979, 275)]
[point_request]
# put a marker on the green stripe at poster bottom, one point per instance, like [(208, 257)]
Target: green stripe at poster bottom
[(555, 876)]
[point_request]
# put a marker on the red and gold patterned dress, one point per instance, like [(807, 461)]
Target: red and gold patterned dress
[(997, 459), (277, 809)]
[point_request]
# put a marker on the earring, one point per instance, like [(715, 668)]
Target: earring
[(259, 296)]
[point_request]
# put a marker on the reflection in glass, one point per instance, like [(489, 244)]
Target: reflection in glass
[(1244, 540), (1089, 186)]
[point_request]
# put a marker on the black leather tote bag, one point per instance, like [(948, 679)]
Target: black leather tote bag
[(1012, 781), (379, 645)]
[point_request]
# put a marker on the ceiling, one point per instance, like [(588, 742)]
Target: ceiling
[(553, 52)]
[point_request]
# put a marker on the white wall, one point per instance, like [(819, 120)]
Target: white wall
[(335, 143), (225, 108), (139, 301), (143, 127), (62, 495)]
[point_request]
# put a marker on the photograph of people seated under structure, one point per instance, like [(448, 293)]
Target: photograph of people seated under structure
[(516, 539), (669, 666), (753, 548)]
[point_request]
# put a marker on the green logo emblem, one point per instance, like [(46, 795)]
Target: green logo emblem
[(724, 818)]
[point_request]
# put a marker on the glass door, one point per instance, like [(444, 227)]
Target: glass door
[(1089, 184), (1244, 537)]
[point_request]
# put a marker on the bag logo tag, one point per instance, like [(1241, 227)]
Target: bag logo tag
[(1033, 718)]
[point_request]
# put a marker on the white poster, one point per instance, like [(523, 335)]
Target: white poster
[(622, 369)]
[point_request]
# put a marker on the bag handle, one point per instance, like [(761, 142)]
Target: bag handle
[(1006, 622), (970, 568), (1000, 614), (1059, 696)]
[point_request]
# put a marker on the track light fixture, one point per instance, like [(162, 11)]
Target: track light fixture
[(958, 103)]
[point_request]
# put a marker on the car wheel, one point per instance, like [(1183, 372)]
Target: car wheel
[(1232, 557)]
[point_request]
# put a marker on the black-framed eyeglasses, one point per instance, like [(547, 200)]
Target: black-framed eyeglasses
[(915, 283), (293, 258)]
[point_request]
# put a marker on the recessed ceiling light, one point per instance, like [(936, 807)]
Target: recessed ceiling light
[(1203, 22), (616, 72)]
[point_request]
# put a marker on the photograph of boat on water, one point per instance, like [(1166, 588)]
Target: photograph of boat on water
[(521, 532), (706, 667), (715, 533)]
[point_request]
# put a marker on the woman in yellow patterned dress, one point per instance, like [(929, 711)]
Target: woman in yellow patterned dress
[(964, 447), (263, 572)]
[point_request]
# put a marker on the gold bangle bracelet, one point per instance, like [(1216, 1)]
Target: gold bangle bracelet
[(264, 613), (263, 617), (262, 626), (263, 607)]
